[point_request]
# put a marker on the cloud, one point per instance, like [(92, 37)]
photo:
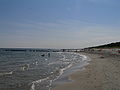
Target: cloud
[(58, 34)]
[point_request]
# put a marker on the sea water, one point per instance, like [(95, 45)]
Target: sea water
[(27, 70)]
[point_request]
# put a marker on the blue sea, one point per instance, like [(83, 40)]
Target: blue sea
[(35, 70)]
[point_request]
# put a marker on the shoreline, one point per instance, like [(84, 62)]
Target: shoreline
[(73, 69), (102, 73)]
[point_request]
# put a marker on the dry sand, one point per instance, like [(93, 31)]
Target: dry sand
[(103, 73)]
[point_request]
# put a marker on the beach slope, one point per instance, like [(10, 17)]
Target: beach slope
[(102, 73)]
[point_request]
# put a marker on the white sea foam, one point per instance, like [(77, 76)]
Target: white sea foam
[(63, 69), (85, 58), (25, 67), (51, 63), (68, 61), (46, 59), (36, 63), (37, 82), (6, 73), (41, 80)]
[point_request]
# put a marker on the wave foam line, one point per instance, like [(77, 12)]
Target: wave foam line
[(38, 81), (6, 73)]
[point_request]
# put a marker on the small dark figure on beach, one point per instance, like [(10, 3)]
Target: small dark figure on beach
[(102, 56), (43, 55), (48, 54)]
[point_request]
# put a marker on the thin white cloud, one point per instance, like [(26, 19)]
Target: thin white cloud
[(59, 34)]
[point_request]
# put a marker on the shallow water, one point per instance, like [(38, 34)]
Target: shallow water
[(35, 70)]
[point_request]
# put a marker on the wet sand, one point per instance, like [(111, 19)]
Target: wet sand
[(102, 73)]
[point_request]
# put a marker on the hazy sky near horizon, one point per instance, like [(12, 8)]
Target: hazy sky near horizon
[(58, 23)]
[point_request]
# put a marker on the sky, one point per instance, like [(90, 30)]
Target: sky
[(58, 23)]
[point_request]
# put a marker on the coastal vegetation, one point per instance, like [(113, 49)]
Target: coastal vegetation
[(111, 45)]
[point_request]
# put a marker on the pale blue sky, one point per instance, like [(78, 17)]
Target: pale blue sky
[(58, 23)]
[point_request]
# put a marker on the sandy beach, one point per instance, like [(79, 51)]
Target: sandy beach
[(102, 73)]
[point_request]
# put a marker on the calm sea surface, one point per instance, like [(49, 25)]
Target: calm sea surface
[(29, 70)]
